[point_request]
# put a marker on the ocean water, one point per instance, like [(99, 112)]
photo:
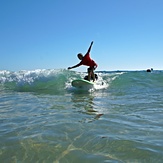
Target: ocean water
[(44, 120)]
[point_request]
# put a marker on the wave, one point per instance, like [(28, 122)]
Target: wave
[(36, 80), (40, 80), (58, 80)]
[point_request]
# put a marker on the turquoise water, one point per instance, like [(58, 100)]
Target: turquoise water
[(44, 119)]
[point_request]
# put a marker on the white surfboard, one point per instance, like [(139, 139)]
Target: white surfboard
[(82, 84)]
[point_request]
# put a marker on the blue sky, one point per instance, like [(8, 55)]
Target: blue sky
[(48, 34)]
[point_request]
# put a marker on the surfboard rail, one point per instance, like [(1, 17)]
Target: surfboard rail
[(82, 83)]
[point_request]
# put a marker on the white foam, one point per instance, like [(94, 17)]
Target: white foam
[(102, 85)]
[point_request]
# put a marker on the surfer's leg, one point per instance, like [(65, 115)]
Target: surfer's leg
[(89, 74), (93, 76)]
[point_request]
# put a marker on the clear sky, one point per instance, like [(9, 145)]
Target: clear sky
[(48, 34)]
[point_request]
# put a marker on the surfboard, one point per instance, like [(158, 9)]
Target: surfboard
[(82, 84)]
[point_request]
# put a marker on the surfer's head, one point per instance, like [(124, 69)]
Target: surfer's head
[(80, 56)]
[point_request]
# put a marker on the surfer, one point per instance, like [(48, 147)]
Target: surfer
[(87, 61), (150, 70)]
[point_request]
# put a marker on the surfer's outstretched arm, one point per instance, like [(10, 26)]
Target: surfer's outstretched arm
[(74, 66), (89, 49)]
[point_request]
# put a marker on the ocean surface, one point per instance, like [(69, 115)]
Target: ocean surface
[(43, 119)]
